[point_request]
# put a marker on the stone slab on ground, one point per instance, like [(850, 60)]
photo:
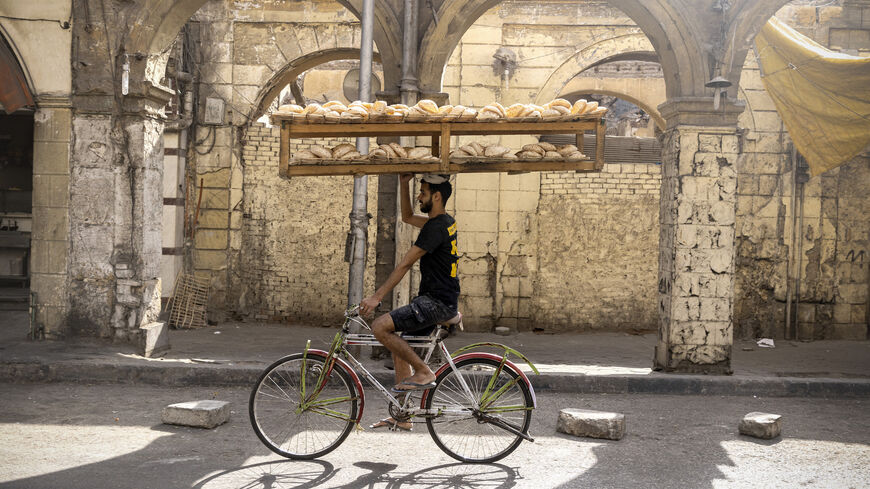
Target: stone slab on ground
[(591, 424), (199, 414), (761, 425), (154, 340)]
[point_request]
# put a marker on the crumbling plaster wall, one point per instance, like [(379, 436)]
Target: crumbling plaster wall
[(833, 269), (240, 47), (293, 234)]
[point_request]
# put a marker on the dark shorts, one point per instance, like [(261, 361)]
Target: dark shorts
[(421, 315)]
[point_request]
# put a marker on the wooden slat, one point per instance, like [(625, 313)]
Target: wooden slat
[(330, 167), (432, 128), (445, 147)]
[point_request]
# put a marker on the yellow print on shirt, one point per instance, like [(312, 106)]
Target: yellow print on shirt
[(453, 270), (452, 229)]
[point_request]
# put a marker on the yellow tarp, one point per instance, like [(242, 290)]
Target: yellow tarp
[(822, 96)]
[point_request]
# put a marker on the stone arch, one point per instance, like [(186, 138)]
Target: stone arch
[(679, 48), (629, 46), (288, 74), (750, 17), (159, 22), (18, 85), (595, 86)]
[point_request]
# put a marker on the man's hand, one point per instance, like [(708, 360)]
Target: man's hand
[(368, 305)]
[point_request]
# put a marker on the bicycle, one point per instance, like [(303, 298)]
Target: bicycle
[(304, 405)]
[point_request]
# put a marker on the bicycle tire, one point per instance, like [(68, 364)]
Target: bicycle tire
[(274, 408), (467, 438)]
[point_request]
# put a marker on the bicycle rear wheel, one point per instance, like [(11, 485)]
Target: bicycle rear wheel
[(479, 435), (301, 426)]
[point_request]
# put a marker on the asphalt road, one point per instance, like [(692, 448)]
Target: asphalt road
[(110, 436)]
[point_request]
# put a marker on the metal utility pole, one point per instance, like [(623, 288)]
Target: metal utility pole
[(410, 91), (359, 218)]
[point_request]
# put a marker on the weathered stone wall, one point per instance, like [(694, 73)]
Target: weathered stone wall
[(293, 232), (834, 238), (595, 236)]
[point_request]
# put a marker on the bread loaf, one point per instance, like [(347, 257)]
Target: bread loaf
[(291, 108), (468, 150), (400, 151), (547, 146), (378, 154), (391, 153), (509, 156), (310, 108), (320, 151), (552, 155), (549, 113), (418, 153), (428, 106), (559, 102), (515, 110), (577, 156), (590, 106), (578, 106), (535, 148), (478, 148), (342, 149), (351, 156), (304, 155), (567, 149), (445, 109), (495, 151), (529, 155), (562, 110)]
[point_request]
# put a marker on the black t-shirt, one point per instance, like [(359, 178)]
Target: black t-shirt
[(439, 278)]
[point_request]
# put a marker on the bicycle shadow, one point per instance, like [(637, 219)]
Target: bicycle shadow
[(282, 473)]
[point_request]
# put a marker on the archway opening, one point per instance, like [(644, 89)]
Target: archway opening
[(16, 181)]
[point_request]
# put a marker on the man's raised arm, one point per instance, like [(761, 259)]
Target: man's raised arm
[(408, 216)]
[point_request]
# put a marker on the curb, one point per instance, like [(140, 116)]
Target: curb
[(663, 384)]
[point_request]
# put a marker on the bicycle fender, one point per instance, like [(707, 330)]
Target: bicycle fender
[(357, 384), (490, 356)]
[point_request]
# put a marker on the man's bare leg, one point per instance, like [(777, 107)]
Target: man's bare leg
[(402, 368), (385, 332)]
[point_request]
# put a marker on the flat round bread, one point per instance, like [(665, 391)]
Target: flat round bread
[(320, 151), (400, 151)]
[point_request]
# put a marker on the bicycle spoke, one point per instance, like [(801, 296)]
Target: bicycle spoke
[(303, 430), (507, 401)]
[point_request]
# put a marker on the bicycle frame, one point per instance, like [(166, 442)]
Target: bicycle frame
[(431, 343)]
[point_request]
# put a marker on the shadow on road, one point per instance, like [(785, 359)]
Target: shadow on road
[(289, 474)]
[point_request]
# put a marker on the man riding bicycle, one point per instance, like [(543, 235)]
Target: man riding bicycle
[(436, 249)]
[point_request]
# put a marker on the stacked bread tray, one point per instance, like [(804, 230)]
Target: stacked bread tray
[(427, 111)]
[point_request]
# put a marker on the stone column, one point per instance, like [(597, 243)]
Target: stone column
[(696, 248), (49, 249), (116, 202)]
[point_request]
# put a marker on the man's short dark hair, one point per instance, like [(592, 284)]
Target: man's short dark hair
[(445, 189)]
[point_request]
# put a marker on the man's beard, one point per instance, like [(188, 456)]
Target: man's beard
[(426, 206)]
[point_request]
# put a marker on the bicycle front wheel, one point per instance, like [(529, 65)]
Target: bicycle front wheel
[(300, 412), (488, 432)]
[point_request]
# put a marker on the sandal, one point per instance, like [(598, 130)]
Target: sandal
[(392, 424)]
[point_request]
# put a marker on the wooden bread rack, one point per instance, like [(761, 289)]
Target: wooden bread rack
[(440, 132)]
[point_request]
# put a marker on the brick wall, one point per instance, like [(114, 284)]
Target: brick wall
[(596, 237), (291, 264)]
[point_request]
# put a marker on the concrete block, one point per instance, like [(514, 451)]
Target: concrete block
[(154, 340), (198, 414), (591, 424), (502, 331), (761, 425)]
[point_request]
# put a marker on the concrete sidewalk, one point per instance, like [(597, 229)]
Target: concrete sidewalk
[(235, 354)]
